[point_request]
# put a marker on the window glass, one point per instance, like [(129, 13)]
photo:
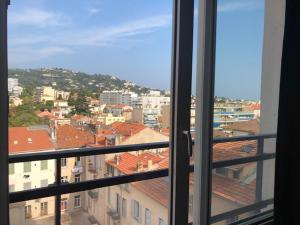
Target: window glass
[(147, 217), (27, 167), (11, 169), (44, 165)]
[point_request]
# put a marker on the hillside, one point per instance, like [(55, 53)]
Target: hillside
[(67, 80)]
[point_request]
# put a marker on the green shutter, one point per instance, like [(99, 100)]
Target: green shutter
[(44, 165), (27, 167), (11, 168)]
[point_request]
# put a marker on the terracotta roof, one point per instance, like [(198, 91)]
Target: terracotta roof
[(23, 139), (224, 187), (156, 189), (45, 114), (127, 129), (233, 190), (251, 126), (128, 162), (72, 137)]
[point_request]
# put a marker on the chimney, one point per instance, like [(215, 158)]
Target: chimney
[(117, 159), (139, 166), (150, 165)]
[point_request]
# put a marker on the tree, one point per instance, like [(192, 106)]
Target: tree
[(49, 105), (82, 106)]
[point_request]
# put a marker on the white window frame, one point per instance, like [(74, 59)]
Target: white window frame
[(77, 201), (148, 216), (77, 178)]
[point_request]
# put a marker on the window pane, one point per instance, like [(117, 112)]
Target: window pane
[(27, 167), (44, 165), (11, 169)]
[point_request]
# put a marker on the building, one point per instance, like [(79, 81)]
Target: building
[(13, 87), (30, 175), (251, 127), (44, 93), (140, 202), (118, 97), (62, 95)]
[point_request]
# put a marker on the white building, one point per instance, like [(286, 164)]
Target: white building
[(118, 97), (13, 87)]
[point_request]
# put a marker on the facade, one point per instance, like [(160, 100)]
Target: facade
[(118, 97), (43, 94), (13, 87), (30, 175)]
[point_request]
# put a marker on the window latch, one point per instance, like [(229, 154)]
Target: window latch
[(187, 133)]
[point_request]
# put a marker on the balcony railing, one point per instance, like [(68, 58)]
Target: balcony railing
[(59, 188)]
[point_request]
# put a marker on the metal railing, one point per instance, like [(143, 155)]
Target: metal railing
[(58, 188)]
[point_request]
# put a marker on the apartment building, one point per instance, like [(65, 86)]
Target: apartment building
[(30, 175), (146, 202), (14, 89), (44, 93), (118, 97)]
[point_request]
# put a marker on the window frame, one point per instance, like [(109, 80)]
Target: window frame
[(77, 199)]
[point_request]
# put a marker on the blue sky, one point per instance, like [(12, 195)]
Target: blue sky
[(131, 39)]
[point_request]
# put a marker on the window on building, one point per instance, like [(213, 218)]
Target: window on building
[(222, 171), (136, 207), (110, 170), (147, 217), (63, 162), (44, 208), (11, 169), (236, 174), (64, 204), (27, 167), (118, 203), (77, 178), (124, 207), (161, 221), (77, 201), (77, 161), (64, 179), (11, 188), (44, 165), (27, 186), (44, 183), (28, 211)]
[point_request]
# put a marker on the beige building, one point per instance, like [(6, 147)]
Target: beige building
[(44, 93)]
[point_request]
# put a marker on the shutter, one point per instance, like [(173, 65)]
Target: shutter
[(140, 213), (132, 209)]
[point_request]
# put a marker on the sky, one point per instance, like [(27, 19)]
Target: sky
[(131, 39)]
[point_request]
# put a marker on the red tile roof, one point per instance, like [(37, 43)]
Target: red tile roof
[(128, 162), (72, 137), (127, 129), (156, 189), (23, 139), (251, 126), (233, 190)]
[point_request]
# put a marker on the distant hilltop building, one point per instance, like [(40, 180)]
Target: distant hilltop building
[(47, 93)]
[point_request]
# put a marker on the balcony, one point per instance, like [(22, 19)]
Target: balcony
[(113, 214), (93, 194), (92, 168), (78, 169)]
